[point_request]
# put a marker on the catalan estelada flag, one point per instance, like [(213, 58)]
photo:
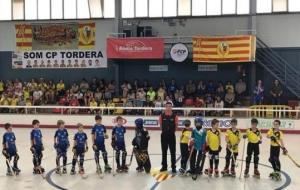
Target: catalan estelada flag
[(86, 35), (23, 37), (218, 49)]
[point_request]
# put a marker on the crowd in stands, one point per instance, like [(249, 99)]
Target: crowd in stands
[(98, 92)]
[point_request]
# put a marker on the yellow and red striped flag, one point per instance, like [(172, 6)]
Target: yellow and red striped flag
[(87, 35), (218, 49), (23, 37)]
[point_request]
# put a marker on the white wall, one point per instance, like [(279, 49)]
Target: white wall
[(8, 40)]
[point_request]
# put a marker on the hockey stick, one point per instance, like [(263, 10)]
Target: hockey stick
[(113, 164), (287, 154), (100, 173), (242, 158), (190, 155), (83, 176), (39, 168), (233, 157), (131, 157)]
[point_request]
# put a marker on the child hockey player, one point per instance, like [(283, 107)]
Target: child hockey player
[(254, 139), (232, 138), (80, 147), (184, 145), (61, 144), (140, 144), (37, 147), (276, 137), (98, 139), (118, 144), (198, 149), (10, 150), (214, 147)]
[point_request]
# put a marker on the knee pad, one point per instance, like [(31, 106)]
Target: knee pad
[(216, 157), (81, 158)]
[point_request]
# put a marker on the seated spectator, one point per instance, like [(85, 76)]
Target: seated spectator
[(94, 84), (112, 88), (219, 104), (240, 89), (158, 103), (127, 103), (74, 103), (258, 93), (84, 86), (93, 103), (167, 100), (276, 93), (1, 87), (126, 87), (60, 88), (107, 94), (201, 88), (79, 96), (146, 86), (172, 87), (98, 95), (21, 102), (111, 104), (14, 102), (140, 97), (179, 97), (37, 97), (151, 94), (74, 88), (220, 90), (229, 99), (161, 92), (190, 89), (50, 93), (229, 87), (135, 85), (209, 103)]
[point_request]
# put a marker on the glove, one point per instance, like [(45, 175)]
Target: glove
[(219, 149), (284, 150), (234, 147), (95, 148), (32, 149), (273, 138), (244, 136), (86, 149), (106, 136), (5, 153), (74, 150)]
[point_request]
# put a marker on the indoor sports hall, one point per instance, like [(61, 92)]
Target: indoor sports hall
[(149, 94)]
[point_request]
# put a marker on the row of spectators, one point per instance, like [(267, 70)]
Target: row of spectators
[(102, 93)]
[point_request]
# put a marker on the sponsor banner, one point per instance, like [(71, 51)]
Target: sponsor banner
[(149, 121), (58, 59), (207, 67), (179, 52), (55, 36), (135, 48), (218, 49), (158, 68)]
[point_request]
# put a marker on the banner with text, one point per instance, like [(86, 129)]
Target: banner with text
[(218, 49), (135, 48), (58, 59), (45, 36)]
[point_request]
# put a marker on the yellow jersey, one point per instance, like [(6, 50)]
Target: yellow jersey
[(4, 101), (213, 139), (93, 104), (253, 137), (60, 86), (277, 134), (14, 101), (234, 138), (1, 86), (185, 136), (26, 94)]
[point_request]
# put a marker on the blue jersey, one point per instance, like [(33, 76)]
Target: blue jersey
[(62, 138), (99, 131), (36, 136), (80, 138), (199, 137), (118, 133), (9, 140)]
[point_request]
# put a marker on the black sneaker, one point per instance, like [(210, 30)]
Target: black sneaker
[(163, 169)]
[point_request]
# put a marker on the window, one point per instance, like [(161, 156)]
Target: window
[(70, 9), (229, 7), (127, 8), (198, 7), (109, 8), (155, 8), (184, 7), (141, 8), (83, 9), (56, 9), (169, 8), (43, 9), (279, 5), (264, 6), (294, 5), (96, 8), (243, 6), (214, 7), (5, 10), (30, 9)]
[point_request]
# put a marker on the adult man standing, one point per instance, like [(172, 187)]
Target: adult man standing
[(276, 93), (168, 123)]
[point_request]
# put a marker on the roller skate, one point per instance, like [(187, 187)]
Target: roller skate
[(16, 170), (124, 168), (64, 170), (57, 171), (107, 168), (82, 173), (275, 176), (139, 169), (225, 172), (216, 172), (81, 170), (98, 169), (9, 172), (256, 174), (208, 172), (119, 169), (232, 172), (181, 172), (246, 173), (73, 172)]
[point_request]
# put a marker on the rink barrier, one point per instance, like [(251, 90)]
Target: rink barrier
[(48, 120)]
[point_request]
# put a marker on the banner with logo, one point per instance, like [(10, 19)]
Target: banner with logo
[(218, 49), (45, 36), (67, 59), (179, 52), (135, 48)]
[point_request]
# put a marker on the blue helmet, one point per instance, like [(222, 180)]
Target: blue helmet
[(198, 121), (139, 122)]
